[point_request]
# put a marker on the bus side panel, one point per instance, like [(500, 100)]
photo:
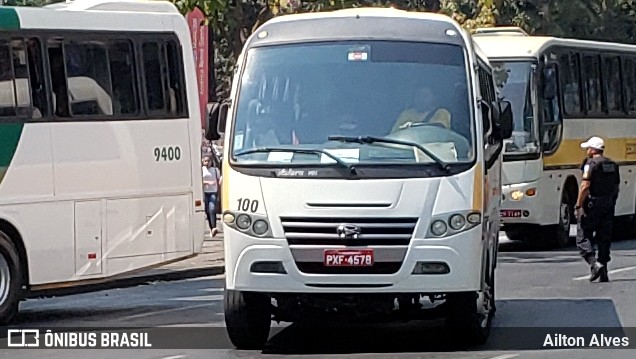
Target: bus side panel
[(114, 159), (26, 189), (627, 198), (47, 232), (143, 170), (182, 30), (154, 226), (27, 174)]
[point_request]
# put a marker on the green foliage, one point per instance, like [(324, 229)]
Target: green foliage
[(471, 14), (213, 9)]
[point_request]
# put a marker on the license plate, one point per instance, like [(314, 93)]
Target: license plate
[(348, 258), (514, 213)]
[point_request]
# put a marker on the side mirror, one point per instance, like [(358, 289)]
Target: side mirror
[(550, 82), (216, 121), (505, 121)]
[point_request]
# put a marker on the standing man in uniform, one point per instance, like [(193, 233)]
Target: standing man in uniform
[(595, 207)]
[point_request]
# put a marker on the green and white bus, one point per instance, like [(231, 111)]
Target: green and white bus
[(100, 136)]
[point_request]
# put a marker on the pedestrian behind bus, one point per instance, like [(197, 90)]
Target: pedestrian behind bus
[(211, 185), (595, 207)]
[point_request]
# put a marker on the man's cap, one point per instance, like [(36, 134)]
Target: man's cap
[(594, 142)]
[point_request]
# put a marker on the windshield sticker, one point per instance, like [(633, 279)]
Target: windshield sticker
[(346, 154), (280, 156), (358, 56), (238, 141), (446, 151), (359, 53)]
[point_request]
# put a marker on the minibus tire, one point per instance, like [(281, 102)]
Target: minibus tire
[(248, 319), (463, 319), (11, 282)]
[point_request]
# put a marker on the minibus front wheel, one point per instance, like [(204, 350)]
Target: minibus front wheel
[(248, 318), (470, 314)]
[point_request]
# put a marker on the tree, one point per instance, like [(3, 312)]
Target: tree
[(604, 20), (471, 14)]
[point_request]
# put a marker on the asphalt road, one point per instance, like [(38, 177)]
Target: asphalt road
[(535, 288)]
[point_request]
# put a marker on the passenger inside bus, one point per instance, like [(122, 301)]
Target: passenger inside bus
[(425, 108)]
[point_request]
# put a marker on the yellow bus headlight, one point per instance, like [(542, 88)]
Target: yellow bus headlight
[(516, 195)]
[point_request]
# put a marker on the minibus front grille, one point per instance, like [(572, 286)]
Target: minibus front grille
[(385, 231), (377, 268)]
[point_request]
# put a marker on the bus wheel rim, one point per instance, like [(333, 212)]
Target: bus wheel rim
[(484, 303), (565, 216)]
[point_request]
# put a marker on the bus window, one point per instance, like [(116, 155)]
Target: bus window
[(58, 78), (570, 81), (175, 84), (612, 77), (38, 88), (7, 90), (21, 73), (88, 78), (123, 78), (152, 76), (592, 84), (630, 84)]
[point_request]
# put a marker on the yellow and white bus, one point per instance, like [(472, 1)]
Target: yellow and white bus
[(100, 133), (563, 91), (340, 198)]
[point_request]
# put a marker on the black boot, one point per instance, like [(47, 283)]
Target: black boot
[(596, 270), (603, 274)]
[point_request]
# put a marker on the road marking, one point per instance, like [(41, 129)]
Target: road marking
[(189, 325), (505, 356), (166, 311), (216, 297), (609, 272), (198, 279), (174, 357), (212, 290)]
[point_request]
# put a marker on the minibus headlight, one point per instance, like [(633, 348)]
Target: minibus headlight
[(260, 227), (254, 225), (452, 223), (228, 218), (243, 221), (474, 218), (457, 222), (438, 228)]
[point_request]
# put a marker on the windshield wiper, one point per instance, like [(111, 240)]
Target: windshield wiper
[(373, 139), (342, 163)]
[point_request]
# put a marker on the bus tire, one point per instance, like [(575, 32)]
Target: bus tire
[(517, 234), (559, 236), (469, 317), (248, 319), (11, 278)]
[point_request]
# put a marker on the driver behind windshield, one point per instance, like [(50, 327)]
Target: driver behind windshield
[(425, 109)]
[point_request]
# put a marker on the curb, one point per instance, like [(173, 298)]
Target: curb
[(160, 275), (168, 275)]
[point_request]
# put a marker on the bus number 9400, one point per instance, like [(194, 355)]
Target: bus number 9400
[(167, 153)]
